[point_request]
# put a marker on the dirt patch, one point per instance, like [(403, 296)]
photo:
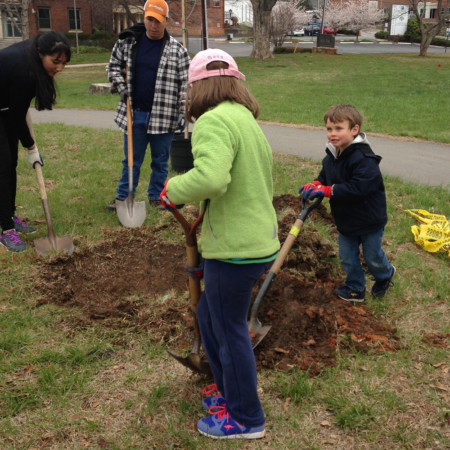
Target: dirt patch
[(135, 280)]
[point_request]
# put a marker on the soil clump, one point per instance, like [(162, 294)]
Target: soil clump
[(135, 280)]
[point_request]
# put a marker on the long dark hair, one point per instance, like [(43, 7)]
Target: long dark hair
[(46, 44)]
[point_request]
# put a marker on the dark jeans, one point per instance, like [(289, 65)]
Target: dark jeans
[(159, 148), (377, 263), (222, 316), (9, 154)]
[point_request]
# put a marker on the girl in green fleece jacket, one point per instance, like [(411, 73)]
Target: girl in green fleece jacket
[(239, 239)]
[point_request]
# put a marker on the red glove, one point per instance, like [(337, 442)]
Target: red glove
[(318, 191), (308, 186), (165, 200)]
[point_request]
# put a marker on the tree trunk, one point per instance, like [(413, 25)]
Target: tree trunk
[(429, 33), (261, 28), (25, 19)]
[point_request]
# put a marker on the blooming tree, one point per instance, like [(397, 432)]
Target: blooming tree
[(285, 17), (357, 15)]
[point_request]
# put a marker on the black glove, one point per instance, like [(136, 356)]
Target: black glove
[(124, 94), (196, 272)]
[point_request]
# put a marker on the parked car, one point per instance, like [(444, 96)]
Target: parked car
[(296, 32), (329, 30), (312, 30)]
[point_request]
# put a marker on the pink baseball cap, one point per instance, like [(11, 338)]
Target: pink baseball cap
[(198, 71)]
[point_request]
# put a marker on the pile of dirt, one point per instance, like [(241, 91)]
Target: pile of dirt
[(134, 280)]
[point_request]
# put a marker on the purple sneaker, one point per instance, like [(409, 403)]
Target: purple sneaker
[(22, 227), (11, 240), (221, 426), (215, 400)]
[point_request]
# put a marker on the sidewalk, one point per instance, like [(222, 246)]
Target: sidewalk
[(420, 162)]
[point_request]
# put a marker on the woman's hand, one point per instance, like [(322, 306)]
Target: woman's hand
[(34, 157)]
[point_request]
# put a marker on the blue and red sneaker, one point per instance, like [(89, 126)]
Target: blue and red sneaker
[(215, 400), (221, 426)]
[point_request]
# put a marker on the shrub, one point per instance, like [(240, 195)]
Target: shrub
[(344, 30), (440, 41), (291, 50), (101, 35), (413, 31), (381, 35)]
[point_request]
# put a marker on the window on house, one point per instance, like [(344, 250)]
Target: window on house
[(432, 13), (216, 3), (9, 30), (72, 19), (44, 18)]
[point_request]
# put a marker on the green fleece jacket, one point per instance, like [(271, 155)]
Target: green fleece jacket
[(233, 169)]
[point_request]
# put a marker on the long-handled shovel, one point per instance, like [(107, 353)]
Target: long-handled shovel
[(51, 242), (255, 328), (130, 213), (193, 360)]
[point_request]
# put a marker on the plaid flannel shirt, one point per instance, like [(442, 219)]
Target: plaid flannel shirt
[(170, 88)]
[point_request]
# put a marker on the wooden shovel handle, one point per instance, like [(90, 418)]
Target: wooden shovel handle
[(129, 126)]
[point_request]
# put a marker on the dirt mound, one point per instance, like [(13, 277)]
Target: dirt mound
[(135, 280)]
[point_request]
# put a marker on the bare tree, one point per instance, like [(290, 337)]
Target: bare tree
[(283, 18), (261, 28), (19, 9), (429, 30), (357, 15)]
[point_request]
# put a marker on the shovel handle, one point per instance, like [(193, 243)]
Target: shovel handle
[(285, 249), (41, 185), (130, 134), (192, 260)]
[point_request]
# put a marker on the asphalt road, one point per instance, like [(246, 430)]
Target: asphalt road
[(239, 48), (420, 162)]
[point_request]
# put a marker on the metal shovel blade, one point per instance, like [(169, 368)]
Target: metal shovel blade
[(64, 243), (193, 360), (258, 330), (130, 213)]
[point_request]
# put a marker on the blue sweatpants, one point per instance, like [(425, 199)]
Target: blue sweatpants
[(222, 316)]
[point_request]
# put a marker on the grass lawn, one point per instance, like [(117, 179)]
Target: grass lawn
[(399, 94), (64, 385), (86, 58)]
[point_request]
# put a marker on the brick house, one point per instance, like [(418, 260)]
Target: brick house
[(46, 15)]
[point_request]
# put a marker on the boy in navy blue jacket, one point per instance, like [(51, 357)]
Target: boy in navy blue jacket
[(351, 179)]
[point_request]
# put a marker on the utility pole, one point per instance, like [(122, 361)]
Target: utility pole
[(323, 15), (76, 24), (204, 25)]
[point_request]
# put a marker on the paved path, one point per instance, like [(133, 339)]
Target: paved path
[(421, 162)]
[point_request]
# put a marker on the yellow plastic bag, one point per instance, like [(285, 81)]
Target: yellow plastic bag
[(433, 235)]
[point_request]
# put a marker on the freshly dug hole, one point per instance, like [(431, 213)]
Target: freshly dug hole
[(134, 280)]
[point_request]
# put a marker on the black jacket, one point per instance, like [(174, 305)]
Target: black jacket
[(17, 89), (358, 200)]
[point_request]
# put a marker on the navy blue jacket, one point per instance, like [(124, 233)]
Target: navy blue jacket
[(17, 89), (358, 199)]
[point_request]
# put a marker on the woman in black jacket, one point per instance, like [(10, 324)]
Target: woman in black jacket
[(27, 70)]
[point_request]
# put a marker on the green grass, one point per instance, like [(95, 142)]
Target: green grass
[(89, 58), (399, 94), (67, 385)]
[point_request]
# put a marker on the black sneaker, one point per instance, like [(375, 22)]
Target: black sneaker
[(349, 295), (156, 204), (22, 227), (112, 206), (11, 240), (380, 288)]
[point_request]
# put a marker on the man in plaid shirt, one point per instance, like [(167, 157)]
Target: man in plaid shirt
[(157, 79)]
